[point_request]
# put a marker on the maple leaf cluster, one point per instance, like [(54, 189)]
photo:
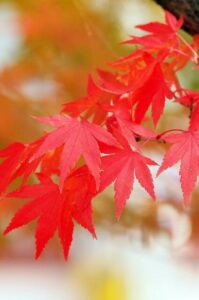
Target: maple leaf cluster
[(97, 140)]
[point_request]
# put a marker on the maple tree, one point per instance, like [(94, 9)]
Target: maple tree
[(99, 139)]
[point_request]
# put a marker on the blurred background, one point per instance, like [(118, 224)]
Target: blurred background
[(47, 50)]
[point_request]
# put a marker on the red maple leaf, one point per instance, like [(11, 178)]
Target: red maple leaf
[(161, 35), (56, 210), (152, 91), (79, 138), (125, 165), (17, 162), (149, 87), (185, 149), (121, 121)]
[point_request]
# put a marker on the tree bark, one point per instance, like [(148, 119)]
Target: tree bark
[(188, 9)]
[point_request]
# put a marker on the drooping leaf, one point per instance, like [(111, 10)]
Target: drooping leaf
[(125, 165), (154, 91), (185, 149), (55, 210)]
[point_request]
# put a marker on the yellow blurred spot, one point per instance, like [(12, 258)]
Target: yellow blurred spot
[(108, 286), (101, 282)]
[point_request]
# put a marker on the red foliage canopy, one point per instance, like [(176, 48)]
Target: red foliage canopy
[(96, 140)]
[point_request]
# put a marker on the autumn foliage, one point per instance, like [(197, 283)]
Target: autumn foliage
[(98, 140)]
